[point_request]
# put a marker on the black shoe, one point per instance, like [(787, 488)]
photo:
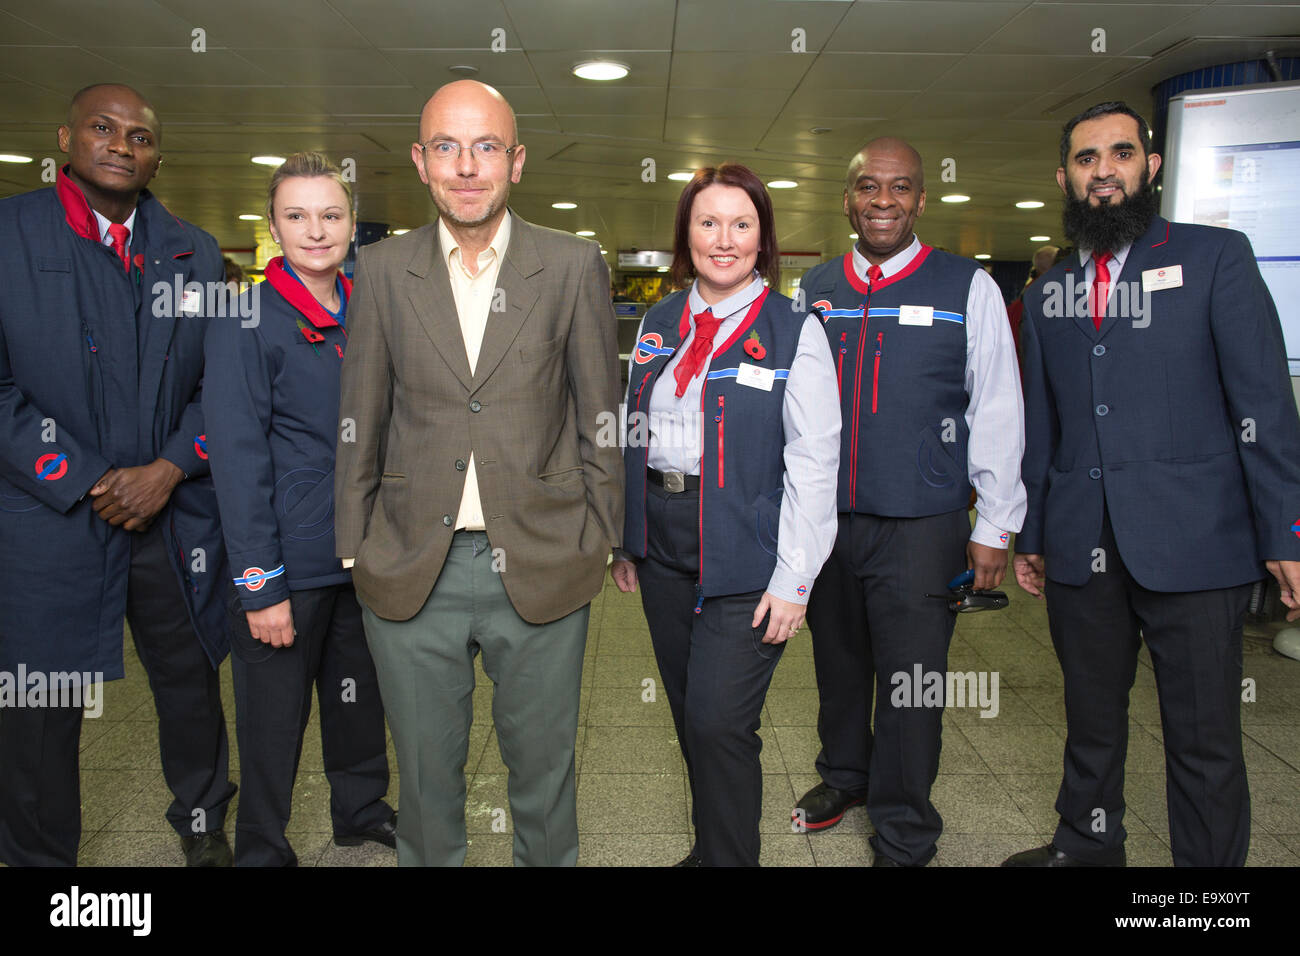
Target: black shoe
[(1050, 855), (384, 833), (691, 860), (207, 849), (823, 807), (882, 860)]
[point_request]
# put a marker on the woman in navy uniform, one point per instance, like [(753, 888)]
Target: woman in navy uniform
[(272, 407), (731, 466)]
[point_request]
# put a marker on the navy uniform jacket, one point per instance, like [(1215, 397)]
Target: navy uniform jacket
[(1179, 418), (97, 371), (271, 402)]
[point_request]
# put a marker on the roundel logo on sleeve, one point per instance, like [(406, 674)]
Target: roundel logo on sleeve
[(254, 578), (201, 446), (801, 590), (1004, 537), (1296, 527), (822, 306), (648, 347), (51, 467)]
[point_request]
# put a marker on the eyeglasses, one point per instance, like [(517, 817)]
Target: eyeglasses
[(448, 151)]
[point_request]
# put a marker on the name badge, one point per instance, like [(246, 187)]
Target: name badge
[(755, 377), (1170, 277), (192, 301), (916, 315)]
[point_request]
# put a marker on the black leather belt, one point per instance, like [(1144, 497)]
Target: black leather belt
[(673, 481)]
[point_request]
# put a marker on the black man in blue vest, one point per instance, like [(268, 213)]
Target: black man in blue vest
[(730, 466), (1162, 461), (930, 398)]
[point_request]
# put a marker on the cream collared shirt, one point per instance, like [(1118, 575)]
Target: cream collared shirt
[(473, 295)]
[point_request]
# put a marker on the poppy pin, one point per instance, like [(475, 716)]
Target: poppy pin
[(754, 347)]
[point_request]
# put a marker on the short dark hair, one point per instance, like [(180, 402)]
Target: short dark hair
[(742, 177), (1105, 109)]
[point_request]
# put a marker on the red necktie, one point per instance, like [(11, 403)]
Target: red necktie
[(1100, 288), (118, 233), (706, 326), (874, 275)]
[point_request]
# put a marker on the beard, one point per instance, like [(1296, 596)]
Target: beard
[(1112, 225)]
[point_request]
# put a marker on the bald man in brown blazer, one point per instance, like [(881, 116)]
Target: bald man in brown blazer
[(471, 488)]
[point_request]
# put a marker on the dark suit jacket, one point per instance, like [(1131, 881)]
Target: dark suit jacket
[(552, 493), (1179, 419)]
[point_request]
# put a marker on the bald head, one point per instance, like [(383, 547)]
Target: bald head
[(468, 101), (893, 149), (1045, 258), (90, 98), (468, 155)]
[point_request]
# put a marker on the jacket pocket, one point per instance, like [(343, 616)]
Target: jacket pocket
[(532, 353)]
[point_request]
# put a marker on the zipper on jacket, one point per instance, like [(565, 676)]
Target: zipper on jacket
[(645, 482), (875, 374), (704, 394), (839, 363), (93, 402), (857, 406), (719, 419)]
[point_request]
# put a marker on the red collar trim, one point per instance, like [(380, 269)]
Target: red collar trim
[(80, 217), (684, 325), (852, 274), (296, 294), (746, 322)]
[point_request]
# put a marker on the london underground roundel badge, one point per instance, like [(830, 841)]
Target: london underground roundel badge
[(51, 467)]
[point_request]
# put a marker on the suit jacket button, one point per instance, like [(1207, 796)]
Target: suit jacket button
[(1094, 473), (1103, 410), (1099, 350), (446, 519), (460, 464), (474, 406)]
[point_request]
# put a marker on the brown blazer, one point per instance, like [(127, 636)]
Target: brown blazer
[(410, 412)]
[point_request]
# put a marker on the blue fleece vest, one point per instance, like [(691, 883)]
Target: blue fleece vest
[(900, 361), (741, 466)]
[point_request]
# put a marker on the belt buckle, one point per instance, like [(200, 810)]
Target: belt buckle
[(674, 482)]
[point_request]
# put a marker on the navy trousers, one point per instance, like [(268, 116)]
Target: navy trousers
[(870, 619), (716, 671), (40, 785), (273, 688), (1195, 643)]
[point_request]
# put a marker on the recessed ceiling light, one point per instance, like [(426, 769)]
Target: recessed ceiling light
[(462, 69), (14, 158), (564, 205), (1039, 238), (680, 177), (820, 130), (585, 232), (954, 197), (1029, 204), (268, 160), (250, 217), (853, 236), (782, 184), (400, 232), (662, 269), (983, 255), (600, 70)]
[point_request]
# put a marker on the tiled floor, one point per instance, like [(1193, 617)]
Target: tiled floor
[(997, 779)]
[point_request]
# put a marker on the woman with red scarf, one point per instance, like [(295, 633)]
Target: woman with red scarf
[(271, 403), (731, 464)]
